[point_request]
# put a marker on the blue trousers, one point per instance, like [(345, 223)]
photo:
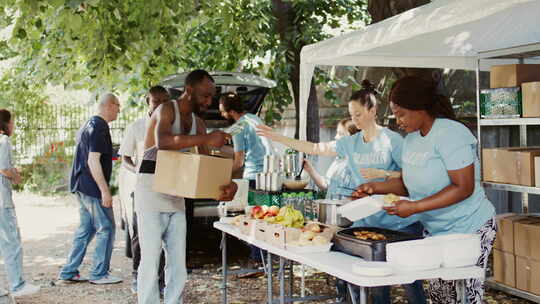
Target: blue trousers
[(97, 221)]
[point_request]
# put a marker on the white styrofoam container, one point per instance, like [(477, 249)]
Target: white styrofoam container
[(458, 250), (363, 207), (414, 255)]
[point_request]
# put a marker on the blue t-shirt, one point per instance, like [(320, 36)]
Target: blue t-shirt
[(449, 145), (94, 136), (339, 179), (255, 147), (384, 152)]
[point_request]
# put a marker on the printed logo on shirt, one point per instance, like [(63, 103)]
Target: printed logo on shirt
[(371, 158), (417, 159)]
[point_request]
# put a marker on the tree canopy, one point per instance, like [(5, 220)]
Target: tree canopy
[(128, 45)]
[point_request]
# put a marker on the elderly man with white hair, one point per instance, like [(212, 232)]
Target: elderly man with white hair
[(90, 176)]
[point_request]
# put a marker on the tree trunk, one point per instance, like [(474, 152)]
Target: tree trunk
[(285, 16)]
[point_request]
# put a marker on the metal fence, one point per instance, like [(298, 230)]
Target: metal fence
[(45, 131)]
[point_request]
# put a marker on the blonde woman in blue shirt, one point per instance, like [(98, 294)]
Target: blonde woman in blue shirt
[(441, 176), (374, 153)]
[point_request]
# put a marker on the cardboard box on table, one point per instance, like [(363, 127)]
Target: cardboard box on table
[(191, 175), (504, 267), (514, 165), (513, 75), (248, 227), (530, 92)]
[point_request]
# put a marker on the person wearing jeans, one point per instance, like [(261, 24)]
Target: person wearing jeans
[(90, 176), (95, 221), (10, 236), (161, 217)]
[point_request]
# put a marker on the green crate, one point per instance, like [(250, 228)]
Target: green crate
[(500, 103), (259, 197)]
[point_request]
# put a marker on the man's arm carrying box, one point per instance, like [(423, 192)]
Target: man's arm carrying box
[(191, 175)]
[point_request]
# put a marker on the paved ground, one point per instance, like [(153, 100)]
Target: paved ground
[(47, 226)]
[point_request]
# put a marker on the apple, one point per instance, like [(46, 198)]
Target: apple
[(273, 210), (258, 212), (255, 211)]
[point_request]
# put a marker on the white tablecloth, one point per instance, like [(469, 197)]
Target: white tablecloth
[(339, 264)]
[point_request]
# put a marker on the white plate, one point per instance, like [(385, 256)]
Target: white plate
[(309, 248), (373, 269)]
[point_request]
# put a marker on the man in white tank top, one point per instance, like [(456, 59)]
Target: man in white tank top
[(161, 218)]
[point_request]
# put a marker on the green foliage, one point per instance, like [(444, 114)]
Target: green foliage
[(130, 44), (48, 173)]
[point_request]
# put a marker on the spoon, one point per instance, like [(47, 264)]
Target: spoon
[(299, 176)]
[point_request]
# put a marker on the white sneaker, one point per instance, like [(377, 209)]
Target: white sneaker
[(108, 279), (26, 290), (3, 292)]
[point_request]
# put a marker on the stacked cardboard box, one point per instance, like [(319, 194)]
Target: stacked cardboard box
[(510, 165), (520, 83), (516, 254)]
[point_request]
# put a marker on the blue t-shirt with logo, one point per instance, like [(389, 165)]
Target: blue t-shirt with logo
[(449, 145), (255, 147), (339, 179), (94, 136), (384, 152)]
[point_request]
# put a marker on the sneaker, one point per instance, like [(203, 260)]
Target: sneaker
[(76, 279), (134, 286), (108, 279), (26, 290), (3, 292)]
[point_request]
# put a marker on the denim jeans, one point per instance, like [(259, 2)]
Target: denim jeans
[(10, 247), (97, 221), (157, 230)]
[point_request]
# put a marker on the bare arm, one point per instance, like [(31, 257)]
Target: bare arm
[(326, 149), (317, 178), (372, 173), (99, 178), (201, 130), (392, 185), (460, 188), (238, 161), (165, 140), (128, 163), (12, 174)]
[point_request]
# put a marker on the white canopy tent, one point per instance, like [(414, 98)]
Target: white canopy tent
[(443, 34)]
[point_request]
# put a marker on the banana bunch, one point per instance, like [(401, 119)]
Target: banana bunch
[(288, 217)]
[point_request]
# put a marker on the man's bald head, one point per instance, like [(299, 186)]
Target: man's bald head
[(108, 107)]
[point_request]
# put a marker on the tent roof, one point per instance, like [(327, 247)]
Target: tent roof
[(442, 34)]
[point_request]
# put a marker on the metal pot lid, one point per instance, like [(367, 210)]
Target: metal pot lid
[(338, 202)]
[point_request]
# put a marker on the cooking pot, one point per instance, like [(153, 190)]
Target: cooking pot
[(328, 212)]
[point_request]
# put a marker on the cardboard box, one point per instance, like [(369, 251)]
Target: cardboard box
[(505, 233), (530, 99), (191, 175), (504, 268), (279, 235), (261, 228), (510, 165), (528, 275), (513, 75), (537, 171), (248, 226), (527, 238)]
